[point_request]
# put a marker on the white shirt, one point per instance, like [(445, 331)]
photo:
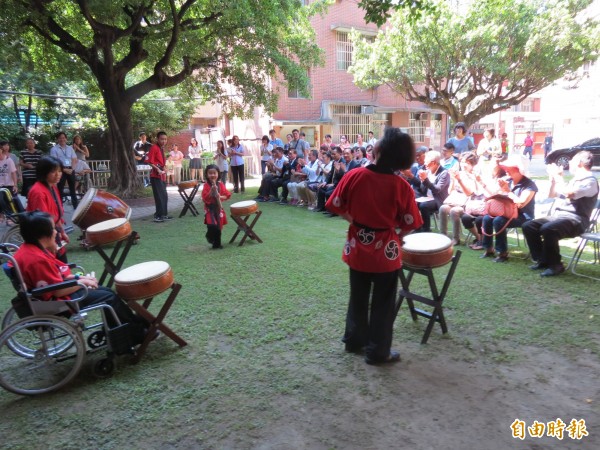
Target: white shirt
[(236, 160), (65, 154)]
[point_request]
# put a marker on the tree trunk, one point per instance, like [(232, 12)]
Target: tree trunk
[(124, 181)]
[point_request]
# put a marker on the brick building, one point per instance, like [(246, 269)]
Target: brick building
[(339, 107)]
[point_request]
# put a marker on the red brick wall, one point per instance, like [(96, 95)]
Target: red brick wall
[(182, 139), (327, 82)]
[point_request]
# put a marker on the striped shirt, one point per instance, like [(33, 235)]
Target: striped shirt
[(30, 158)]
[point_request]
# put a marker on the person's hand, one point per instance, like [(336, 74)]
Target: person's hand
[(422, 175), (504, 187), (89, 281), (407, 173)]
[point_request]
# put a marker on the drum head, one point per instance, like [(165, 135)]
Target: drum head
[(106, 225), (243, 204), (142, 272), (84, 204), (426, 242)]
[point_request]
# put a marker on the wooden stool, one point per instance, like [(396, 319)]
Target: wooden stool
[(143, 282), (109, 232), (421, 253), (240, 213), (188, 199)]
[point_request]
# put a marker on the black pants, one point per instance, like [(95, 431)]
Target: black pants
[(275, 184), (213, 235), (70, 180), (123, 312), (542, 236), (265, 185), (284, 189), (238, 178), (374, 330), (159, 191), (427, 209), (323, 194), (27, 183)]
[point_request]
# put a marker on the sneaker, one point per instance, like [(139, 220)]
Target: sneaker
[(300, 204), (283, 201), (552, 271), (167, 217), (501, 258), (477, 245), (273, 199), (158, 219)]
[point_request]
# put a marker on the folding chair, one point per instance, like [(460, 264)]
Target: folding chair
[(591, 234)]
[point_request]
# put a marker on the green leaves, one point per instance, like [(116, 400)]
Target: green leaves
[(496, 51)]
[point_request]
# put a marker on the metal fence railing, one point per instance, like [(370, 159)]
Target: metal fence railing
[(101, 170)]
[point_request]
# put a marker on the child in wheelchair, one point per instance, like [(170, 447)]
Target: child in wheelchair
[(40, 267)]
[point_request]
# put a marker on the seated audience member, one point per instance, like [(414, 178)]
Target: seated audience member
[(290, 168), (325, 165), (82, 176), (360, 155), (274, 166), (310, 171), (348, 160), (411, 175), (472, 220), (463, 185), (449, 161), (370, 157), (571, 217), (433, 187), (520, 190), (40, 267), (333, 178)]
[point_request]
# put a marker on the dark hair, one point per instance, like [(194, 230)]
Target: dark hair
[(324, 147), (3, 143), (449, 146), (46, 165), (160, 133), (395, 150), (222, 143), (295, 129), (363, 151), (265, 138), (144, 134), (328, 154), (59, 134), (271, 131), (315, 153), (279, 149), (461, 125), (327, 136), (35, 225), (492, 131), (370, 132), (336, 149), (210, 167), (498, 172)]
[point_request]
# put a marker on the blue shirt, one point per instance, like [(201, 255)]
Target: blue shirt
[(276, 143)]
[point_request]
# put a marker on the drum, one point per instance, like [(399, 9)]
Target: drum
[(244, 208), (426, 250), (108, 232), (187, 185), (97, 206), (144, 280)]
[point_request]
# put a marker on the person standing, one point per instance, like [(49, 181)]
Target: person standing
[(376, 202), (140, 151), (236, 154), (28, 161), (158, 177), (372, 140), (460, 140), (213, 193), (265, 154), (221, 156), (504, 145), (8, 170), (177, 158), (274, 141), (528, 144), (547, 144), (195, 155), (67, 156), (80, 148)]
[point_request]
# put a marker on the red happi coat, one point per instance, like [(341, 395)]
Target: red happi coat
[(211, 216), (378, 204)]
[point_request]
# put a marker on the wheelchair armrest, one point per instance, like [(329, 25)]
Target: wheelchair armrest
[(54, 287)]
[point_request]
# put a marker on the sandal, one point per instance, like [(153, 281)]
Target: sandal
[(476, 246)]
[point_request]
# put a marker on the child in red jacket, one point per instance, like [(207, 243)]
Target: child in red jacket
[(213, 193)]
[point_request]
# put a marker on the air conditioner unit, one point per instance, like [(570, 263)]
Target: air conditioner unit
[(367, 109)]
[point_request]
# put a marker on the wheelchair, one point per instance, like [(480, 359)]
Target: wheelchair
[(10, 207), (42, 343)]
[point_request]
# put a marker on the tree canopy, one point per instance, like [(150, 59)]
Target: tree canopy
[(220, 50), (472, 62)]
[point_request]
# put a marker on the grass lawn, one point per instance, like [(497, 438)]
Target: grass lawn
[(265, 368)]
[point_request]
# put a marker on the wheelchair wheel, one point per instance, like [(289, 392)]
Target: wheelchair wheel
[(97, 339), (55, 351), (104, 368), (20, 345), (13, 236)]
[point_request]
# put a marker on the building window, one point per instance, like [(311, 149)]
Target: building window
[(349, 121), (526, 105), (417, 124), (344, 49), (295, 92)]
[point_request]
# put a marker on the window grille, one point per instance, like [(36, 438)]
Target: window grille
[(344, 49), (349, 121), (525, 106), (417, 125)]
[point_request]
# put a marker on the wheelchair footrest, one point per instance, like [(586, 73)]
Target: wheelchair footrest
[(119, 339)]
